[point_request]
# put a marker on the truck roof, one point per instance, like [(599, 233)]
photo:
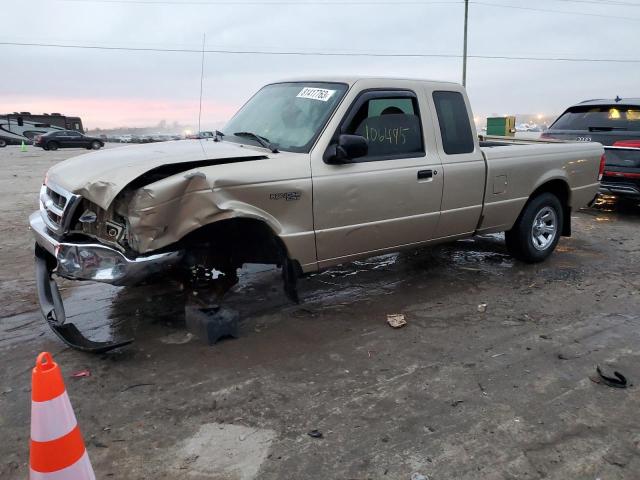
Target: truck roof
[(350, 80)]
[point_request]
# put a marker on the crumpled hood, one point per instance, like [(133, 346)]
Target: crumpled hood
[(100, 176)]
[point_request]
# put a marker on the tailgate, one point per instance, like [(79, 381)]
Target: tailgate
[(622, 170)]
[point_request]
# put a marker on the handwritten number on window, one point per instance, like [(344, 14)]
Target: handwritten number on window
[(393, 136)]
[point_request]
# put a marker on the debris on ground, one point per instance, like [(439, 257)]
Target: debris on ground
[(315, 434), (396, 320), (82, 373), (619, 381), (418, 476), (484, 392), (482, 307), (617, 459)]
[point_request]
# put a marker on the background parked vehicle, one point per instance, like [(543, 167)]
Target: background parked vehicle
[(14, 132), (621, 176), (602, 121), (200, 135), (67, 139)]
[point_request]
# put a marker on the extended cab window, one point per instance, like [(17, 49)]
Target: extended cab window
[(454, 122), (390, 124)]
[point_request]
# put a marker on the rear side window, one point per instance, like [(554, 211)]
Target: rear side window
[(453, 118), (603, 118)]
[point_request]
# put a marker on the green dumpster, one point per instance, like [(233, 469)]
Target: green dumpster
[(501, 126)]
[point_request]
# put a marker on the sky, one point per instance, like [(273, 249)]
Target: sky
[(113, 88)]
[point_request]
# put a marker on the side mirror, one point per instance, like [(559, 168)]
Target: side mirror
[(347, 148)]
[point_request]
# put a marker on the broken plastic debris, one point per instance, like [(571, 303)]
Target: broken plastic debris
[(482, 307), (315, 433), (82, 373), (396, 320), (418, 476)]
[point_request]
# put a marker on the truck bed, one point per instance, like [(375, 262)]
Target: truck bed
[(515, 168)]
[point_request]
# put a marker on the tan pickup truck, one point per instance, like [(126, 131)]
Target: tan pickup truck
[(308, 174)]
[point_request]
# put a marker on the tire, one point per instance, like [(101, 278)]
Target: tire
[(3, 143), (52, 146), (537, 231), (96, 145)]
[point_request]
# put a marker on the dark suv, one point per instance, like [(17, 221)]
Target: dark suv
[(67, 139), (603, 121), (616, 125)]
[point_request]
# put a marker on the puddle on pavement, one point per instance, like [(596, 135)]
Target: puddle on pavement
[(619, 207), (104, 312)]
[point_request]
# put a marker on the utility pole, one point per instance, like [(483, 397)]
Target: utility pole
[(464, 53), (201, 78)]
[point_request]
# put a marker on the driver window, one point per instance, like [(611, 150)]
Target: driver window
[(391, 127)]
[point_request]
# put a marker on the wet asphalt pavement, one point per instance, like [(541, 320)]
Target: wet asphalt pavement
[(455, 394)]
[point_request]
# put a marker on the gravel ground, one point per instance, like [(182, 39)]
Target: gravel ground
[(455, 394)]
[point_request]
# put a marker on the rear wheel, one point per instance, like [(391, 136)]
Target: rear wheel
[(3, 143), (52, 146), (537, 231)]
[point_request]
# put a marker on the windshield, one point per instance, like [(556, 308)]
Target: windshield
[(290, 116), (600, 118)]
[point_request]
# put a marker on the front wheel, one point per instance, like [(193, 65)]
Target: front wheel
[(537, 231), (96, 145), (52, 146)]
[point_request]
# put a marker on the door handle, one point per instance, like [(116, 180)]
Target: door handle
[(424, 174)]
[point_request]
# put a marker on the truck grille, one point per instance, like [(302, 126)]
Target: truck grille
[(57, 207)]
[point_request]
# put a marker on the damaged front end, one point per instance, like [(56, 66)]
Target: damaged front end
[(72, 243), (166, 222)]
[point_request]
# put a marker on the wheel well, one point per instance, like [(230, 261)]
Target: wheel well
[(560, 189), (234, 242)]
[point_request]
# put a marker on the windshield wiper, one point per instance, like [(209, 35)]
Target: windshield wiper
[(261, 140)]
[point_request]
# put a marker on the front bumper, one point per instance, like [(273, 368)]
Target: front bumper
[(93, 261)]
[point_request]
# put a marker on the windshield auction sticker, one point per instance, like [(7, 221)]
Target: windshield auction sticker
[(321, 94)]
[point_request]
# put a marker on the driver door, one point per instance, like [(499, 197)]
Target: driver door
[(386, 199)]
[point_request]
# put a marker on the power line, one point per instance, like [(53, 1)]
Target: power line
[(336, 2), (266, 3), (545, 10), (321, 54), (602, 2), (371, 3)]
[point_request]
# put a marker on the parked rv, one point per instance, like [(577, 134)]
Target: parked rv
[(19, 127)]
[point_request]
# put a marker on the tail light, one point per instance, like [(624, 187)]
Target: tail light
[(622, 174), (627, 143), (603, 160)]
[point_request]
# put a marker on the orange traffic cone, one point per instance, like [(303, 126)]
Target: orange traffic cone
[(57, 448)]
